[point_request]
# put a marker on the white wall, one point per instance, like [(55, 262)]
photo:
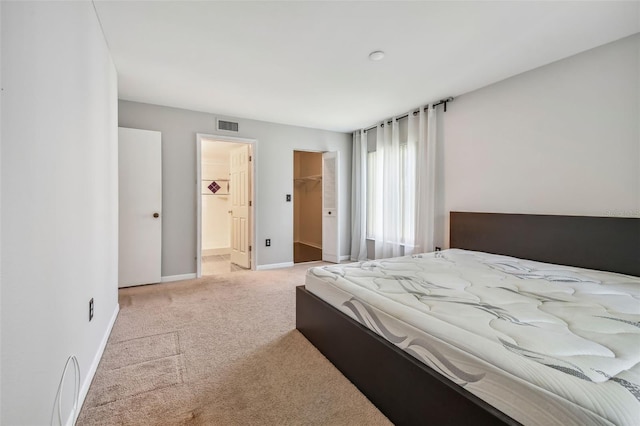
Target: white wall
[(274, 161), (560, 139), (59, 201)]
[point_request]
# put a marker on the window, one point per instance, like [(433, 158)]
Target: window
[(397, 182), (405, 196), (371, 194)]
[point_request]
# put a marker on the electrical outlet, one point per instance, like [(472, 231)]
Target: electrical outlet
[(268, 242), (288, 197), (438, 249), (91, 309)]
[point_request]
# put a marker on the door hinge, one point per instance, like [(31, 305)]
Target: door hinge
[(250, 158), (250, 248), (250, 204)]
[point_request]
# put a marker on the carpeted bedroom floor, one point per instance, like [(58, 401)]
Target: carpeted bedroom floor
[(221, 350)]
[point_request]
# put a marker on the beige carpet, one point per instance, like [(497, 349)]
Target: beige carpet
[(222, 350)]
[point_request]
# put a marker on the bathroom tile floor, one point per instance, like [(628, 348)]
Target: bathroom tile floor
[(218, 264)]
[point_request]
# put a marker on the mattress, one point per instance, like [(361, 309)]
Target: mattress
[(545, 344)]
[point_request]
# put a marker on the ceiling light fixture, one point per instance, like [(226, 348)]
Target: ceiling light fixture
[(377, 55)]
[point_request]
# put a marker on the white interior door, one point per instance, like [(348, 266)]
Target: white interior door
[(239, 189), (330, 217), (140, 197)]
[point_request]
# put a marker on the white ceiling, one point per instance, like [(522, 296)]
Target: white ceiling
[(306, 63)]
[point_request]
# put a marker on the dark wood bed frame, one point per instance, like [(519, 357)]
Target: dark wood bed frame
[(406, 390)]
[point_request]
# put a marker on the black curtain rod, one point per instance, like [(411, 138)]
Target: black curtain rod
[(440, 102)]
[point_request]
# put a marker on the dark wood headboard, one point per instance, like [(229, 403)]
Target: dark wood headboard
[(602, 243)]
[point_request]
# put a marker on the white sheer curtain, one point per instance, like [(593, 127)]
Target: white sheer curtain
[(401, 187), (388, 231), (359, 197), (426, 181), (410, 184)]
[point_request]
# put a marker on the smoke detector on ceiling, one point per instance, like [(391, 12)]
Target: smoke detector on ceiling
[(377, 55)]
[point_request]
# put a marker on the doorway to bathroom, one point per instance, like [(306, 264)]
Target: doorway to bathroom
[(225, 208)]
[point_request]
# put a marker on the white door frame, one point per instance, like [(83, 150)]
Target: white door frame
[(327, 216), (198, 186)]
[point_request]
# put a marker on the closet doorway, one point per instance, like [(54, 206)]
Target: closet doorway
[(307, 206), (225, 208)]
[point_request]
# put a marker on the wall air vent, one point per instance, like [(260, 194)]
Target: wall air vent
[(227, 125)]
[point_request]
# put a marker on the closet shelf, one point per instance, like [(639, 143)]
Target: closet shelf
[(313, 178), (217, 180)]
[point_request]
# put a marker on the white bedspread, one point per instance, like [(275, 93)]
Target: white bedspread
[(543, 343)]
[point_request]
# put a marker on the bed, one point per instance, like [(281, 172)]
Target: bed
[(489, 371)]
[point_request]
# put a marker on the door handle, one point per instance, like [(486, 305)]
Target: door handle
[(156, 215)]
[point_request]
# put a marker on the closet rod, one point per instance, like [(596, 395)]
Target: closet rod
[(440, 102)]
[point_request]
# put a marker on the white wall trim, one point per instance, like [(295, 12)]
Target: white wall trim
[(171, 278), (94, 365), (274, 266), (345, 257)]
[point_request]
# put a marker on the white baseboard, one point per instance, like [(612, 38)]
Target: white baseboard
[(216, 251), (274, 266), (84, 389), (345, 257), (170, 278)]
